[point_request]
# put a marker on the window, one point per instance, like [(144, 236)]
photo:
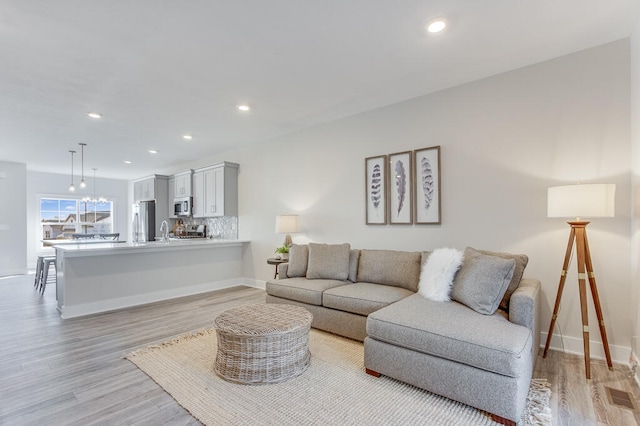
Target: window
[(60, 218)]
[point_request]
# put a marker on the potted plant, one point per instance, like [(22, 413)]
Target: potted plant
[(282, 252)]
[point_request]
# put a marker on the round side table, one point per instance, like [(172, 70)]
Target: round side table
[(277, 262)]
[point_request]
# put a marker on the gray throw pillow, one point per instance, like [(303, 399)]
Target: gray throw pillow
[(521, 263), (298, 259), (388, 267), (330, 262), (482, 281), (354, 257)]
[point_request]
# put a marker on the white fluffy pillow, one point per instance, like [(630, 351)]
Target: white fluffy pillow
[(438, 272)]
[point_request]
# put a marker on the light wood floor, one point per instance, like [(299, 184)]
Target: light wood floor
[(71, 372)]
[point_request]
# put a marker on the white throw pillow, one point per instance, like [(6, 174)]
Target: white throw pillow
[(438, 272)]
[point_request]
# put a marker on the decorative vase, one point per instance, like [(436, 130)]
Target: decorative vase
[(284, 256)]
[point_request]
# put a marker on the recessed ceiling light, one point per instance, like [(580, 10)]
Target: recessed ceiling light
[(94, 115), (244, 107), (187, 137), (152, 151), (128, 161), (436, 26)]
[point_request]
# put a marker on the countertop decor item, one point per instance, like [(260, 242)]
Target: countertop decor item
[(587, 200)]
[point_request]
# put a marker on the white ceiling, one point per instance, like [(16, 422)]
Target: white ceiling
[(157, 69)]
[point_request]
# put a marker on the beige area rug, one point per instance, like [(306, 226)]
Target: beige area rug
[(334, 390)]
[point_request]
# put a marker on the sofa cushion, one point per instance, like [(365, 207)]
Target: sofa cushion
[(354, 258), (363, 298), (436, 276), (328, 261), (452, 331), (388, 267), (301, 289), (521, 263), (482, 281), (298, 259)]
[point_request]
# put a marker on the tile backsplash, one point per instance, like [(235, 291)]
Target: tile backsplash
[(225, 227)]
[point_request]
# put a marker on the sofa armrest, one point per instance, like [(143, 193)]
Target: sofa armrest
[(282, 270), (524, 308)]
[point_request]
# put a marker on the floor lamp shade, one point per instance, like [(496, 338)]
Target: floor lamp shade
[(287, 224), (583, 200)]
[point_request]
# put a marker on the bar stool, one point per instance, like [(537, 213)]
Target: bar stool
[(39, 264), (42, 270), (45, 272)]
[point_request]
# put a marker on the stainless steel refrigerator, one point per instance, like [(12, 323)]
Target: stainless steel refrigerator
[(144, 221)]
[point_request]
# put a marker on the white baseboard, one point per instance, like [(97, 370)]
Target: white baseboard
[(262, 285), (636, 376), (143, 299), (12, 272), (573, 345)]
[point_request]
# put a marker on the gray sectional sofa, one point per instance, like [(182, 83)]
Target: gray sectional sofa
[(479, 350)]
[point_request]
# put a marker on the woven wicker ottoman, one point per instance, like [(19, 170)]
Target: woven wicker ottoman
[(262, 343)]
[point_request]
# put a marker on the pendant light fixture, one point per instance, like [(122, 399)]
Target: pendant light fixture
[(82, 182), (72, 187), (94, 199)]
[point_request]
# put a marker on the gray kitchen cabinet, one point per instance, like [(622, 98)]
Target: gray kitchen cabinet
[(172, 194), (215, 190)]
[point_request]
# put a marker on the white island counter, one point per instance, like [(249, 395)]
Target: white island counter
[(95, 278)]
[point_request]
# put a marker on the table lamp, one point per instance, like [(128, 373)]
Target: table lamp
[(579, 201), (287, 224)]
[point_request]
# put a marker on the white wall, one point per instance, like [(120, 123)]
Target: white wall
[(635, 156), (55, 185), (504, 140), (13, 223)]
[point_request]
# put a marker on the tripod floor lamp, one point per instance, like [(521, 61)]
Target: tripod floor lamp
[(587, 200)]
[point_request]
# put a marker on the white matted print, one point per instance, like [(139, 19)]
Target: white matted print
[(427, 185), (400, 179), (376, 189)]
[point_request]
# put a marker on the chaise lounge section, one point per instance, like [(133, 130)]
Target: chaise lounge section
[(480, 352)]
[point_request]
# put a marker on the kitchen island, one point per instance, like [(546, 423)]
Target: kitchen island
[(94, 278)]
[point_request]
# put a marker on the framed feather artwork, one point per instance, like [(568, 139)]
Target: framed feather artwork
[(400, 184), (376, 189), (426, 186)]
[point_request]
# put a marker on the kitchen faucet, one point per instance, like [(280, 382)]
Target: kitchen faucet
[(164, 228)]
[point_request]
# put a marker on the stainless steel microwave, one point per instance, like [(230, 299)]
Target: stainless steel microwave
[(182, 206)]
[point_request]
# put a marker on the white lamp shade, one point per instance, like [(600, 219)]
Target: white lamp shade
[(287, 224), (584, 200)]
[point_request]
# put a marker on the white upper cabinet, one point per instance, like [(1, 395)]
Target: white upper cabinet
[(215, 190), (144, 189), (154, 188), (182, 184), (198, 194)]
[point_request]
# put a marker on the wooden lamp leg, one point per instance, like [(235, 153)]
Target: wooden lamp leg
[(585, 271), (596, 301), (582, 286), (563, 277)]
